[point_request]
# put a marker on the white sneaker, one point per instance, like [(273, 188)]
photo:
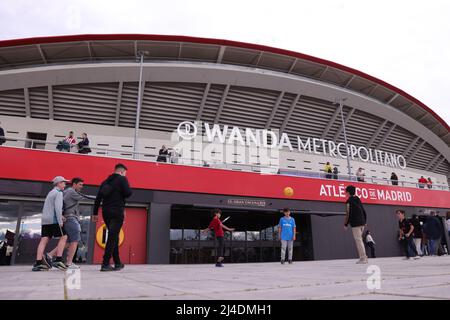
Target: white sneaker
[(416, 257), (362, 261), (72, 266)]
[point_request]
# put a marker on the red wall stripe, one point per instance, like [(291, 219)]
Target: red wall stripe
[(39, 165)]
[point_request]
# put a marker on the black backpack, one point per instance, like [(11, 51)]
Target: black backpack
[(107, 188)]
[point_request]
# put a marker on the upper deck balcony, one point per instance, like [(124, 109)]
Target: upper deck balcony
[(145, 172)]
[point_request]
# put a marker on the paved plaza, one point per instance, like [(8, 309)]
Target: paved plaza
[(427, 278)]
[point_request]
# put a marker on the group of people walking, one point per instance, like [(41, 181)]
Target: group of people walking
[(418, 240), (61, 219)]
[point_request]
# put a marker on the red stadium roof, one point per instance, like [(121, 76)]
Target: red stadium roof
[(226, 43)]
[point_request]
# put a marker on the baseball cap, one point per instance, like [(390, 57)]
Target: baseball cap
[(59, 179)]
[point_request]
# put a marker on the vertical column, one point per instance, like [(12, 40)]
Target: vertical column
[(16, 237), (158, 234)]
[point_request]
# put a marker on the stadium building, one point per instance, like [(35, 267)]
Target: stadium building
[(249, 127)]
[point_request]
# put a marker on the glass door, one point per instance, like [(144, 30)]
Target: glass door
[(9, 216)]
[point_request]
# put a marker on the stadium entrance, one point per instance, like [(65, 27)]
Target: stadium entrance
[(255, 238)]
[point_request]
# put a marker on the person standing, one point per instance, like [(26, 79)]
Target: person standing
[(2, 135), (360, 175), (417, 234), (335, 173), (72, 197), (287, 231), (394, 179), (422, 182), (448, 223), (52, 227), (356, 217), (328, 170), (218, 227), (112, 196), (429, 183), (405, 237), (370, 243), (83, 145), (433, 231), (163, 154), (69, 141)]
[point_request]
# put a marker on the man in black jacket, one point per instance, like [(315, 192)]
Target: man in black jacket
[(356, 217), (433, 229), (2, 136), (112, 195)]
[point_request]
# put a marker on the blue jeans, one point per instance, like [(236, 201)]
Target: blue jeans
[(410, 248), (434, 245), (289, 245), (73, 229)]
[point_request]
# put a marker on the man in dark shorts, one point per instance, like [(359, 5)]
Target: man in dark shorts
[(52, 227), (218, 227)]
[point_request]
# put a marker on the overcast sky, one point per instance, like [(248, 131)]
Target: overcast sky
[(405, 43)]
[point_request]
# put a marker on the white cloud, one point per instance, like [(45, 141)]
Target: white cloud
[(405, 43)]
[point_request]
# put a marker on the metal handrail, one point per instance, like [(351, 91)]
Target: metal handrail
[(176, 160)]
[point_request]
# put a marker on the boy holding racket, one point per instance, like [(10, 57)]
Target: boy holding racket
[(218, 227)]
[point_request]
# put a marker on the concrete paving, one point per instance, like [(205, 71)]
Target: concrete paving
[(427, 278)]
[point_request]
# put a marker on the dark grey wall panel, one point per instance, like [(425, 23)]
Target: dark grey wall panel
[(331, 241), (158, 234)]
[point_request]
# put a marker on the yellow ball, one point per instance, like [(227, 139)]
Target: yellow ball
[(288, 192)]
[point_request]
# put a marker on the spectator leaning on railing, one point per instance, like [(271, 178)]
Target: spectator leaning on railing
[(394, 179), (163, 154), (67, 143), (360, 175), (328, 170), (429, 183), (83, 145), (335, 173), (2, 135), (422, 182)]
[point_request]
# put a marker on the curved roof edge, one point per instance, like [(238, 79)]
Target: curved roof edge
[(213, 41)]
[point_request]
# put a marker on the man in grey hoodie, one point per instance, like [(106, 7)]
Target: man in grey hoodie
[(52, 226)]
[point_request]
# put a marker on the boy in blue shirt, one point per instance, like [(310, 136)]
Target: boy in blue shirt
[(287, 230)]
